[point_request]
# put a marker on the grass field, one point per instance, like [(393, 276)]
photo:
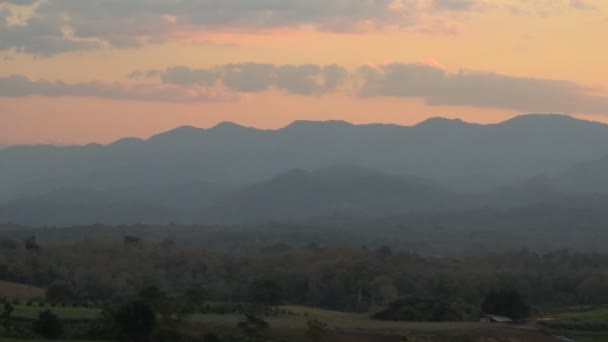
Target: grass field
[(360, 328), (19, 291), (582, 324)]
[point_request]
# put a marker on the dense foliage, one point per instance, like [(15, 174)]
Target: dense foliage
[(354, 279), (428, 309)]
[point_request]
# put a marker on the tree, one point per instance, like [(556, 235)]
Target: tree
[(265, 291), (132, 241), (415, 308), (31, 244), (252, 326), (60, 292), (195, 295), (6, 318), (316, 330), (508, 303), (135, 321), (48, 325)]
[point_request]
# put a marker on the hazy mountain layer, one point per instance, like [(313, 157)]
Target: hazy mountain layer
[(463, 155), (235, 174)]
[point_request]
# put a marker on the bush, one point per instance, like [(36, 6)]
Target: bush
[(135, 321), (253, 326), (60, 292), (48, 325), (316, 330), (265, 291), (505, 303), (422, 309)]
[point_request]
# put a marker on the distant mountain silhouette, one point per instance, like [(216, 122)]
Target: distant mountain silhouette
[(298, 194), (149, 204), (342, 190), (586, 177), (231, 173), (466, 156)]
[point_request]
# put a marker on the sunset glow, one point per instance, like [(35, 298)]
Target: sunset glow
[(77, 72)]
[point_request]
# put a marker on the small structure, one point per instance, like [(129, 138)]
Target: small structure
[(495, 319)]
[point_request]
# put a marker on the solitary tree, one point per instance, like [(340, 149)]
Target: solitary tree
[(31, 244), (135, 321), (6, 317), (48, 325), (252, 326), (60, 292)]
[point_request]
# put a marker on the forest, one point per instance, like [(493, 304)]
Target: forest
[(381, 282)]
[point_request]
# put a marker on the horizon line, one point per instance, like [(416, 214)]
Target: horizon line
[(234, 123)]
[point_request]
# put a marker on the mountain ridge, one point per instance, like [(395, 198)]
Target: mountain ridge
[(230, 124), (463, 155)]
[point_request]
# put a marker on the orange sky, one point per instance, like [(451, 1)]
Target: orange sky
[(526, 43)]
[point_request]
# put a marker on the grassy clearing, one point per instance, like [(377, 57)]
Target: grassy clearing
[(589, 320), (589, 337), (357, 326), (582, 324), (20, 291), (343, 326)]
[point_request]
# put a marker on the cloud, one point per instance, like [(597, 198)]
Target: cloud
[(307, 79), (186, 76), (459, 5), (582, 4), (21, 86), (77, 24), (478, 89), (430, 82)]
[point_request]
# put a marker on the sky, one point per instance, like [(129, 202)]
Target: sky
[(75, 72)]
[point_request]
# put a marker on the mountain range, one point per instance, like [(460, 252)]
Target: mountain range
[(231, 173)]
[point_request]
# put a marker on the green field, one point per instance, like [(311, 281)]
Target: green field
[(582, 324), (359, 327), (351, 322)]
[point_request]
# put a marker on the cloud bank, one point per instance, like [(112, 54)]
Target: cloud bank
[(432, 84), (21, 86), (55, 26)]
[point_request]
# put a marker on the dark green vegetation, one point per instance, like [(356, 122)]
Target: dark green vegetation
[(507, 303), (353, 279), (285, 323), (141, 290)]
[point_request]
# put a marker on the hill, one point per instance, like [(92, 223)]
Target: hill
[(20, 291), (348, 191), (467, 156), (298, 194)]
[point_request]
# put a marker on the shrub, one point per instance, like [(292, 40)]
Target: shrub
[(48, 325)]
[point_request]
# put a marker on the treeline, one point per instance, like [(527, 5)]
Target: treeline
[(352, 279), (577, 225)]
